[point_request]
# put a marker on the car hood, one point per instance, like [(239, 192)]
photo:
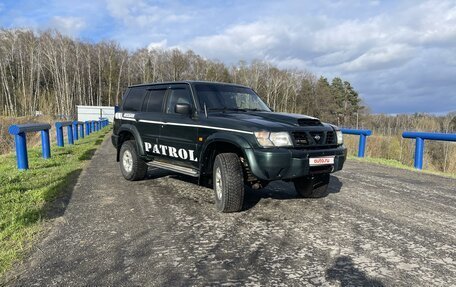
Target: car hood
[(262, 121)]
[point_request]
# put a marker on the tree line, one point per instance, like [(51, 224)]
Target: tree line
[(52, 73)]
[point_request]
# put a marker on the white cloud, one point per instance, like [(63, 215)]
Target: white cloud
[(68, 25), (380, 58), (138, 21), (163, 44)]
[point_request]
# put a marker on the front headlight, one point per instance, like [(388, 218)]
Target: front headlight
[(273, 139), (340, 137)]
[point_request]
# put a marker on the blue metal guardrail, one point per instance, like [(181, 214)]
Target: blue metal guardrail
[(104, 122), (419, 146), (363, 134), (19, 132), (59, 132), (20, 139), (78, 133)]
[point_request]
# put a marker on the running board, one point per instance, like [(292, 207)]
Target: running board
[(175, 168)]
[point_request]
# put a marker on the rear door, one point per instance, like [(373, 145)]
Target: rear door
[(178, 135), (151, 115)]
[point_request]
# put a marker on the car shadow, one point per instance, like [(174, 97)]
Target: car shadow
[(278, 190), (345, 271), (283, 191)]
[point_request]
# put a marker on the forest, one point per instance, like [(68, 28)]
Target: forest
[(47, 73), (50, 73)]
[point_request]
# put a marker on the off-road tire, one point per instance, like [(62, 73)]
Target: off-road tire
[(136, 168), (229, 196), (312, 186)]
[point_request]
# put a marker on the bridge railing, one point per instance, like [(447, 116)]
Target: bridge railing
[(104, 122), (78, 130), (363, 134), (419, 144), (20, 131), (59, 132)]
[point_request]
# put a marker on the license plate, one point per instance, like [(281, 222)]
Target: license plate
[(314, 161)]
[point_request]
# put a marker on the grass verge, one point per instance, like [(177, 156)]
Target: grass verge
[(398, 164), (26, 197)]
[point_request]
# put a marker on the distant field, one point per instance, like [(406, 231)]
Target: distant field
[(26, 197)]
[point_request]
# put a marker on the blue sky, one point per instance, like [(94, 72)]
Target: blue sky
[(399, 55)]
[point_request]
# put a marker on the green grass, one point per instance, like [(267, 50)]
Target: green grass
[(398, 164), (26, 197)]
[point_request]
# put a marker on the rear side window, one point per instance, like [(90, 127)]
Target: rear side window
[(134, 100), (154, 100)]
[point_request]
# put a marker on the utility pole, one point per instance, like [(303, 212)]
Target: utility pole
[(357, 120)]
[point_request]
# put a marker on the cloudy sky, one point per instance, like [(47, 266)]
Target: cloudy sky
[(399, 55)]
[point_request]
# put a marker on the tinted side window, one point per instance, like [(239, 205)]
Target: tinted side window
[(134, 100), (178, 95), (154, 100)]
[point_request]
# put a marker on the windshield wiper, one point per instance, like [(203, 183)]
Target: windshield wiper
[(227, 109), (255, 110)]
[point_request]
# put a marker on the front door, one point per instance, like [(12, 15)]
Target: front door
[(178, 135)]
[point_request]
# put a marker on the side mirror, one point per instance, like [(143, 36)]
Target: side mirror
[(183, 109)]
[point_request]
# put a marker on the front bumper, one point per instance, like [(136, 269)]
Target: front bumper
[(282, 163)]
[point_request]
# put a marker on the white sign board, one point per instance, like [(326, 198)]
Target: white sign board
[(94, 113)]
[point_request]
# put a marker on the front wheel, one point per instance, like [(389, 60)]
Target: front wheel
[(312, 186), (228, 181)]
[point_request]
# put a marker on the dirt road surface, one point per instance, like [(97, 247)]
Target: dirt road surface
[(379, 226)]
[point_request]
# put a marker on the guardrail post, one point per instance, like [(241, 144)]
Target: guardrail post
[(21, 151), (87, 128), (92, 126), (362, 145), (59, 130), (75, 130), (81, 131), (363, 134), (419, 143), (20, 139), (70, 134), (419, 151), (45, 144)]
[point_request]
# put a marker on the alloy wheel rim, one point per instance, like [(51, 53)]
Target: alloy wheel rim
[(218, 183), (127, 161)]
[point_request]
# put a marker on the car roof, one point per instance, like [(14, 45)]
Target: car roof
[(190, 82)]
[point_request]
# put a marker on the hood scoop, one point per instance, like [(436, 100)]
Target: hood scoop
[(309, 122)]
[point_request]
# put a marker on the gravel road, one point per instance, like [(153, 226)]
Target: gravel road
[(379, 226)]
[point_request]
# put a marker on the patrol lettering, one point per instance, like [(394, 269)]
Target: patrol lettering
[(171, 151), (183, 154), (148, 146)]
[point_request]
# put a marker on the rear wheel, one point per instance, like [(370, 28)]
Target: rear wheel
[(228, 182), (131, 166), (312, 186)]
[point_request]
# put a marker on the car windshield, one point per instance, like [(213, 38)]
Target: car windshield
[(226, 97)]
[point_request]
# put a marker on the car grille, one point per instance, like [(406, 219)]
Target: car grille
[(331, 138), (309, 122), (314, 139)]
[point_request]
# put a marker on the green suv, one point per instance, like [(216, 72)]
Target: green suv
[(225, 135)]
